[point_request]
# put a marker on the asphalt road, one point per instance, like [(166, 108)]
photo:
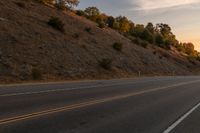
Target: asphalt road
[(145, 105)]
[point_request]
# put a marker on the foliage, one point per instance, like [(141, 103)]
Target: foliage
[(147, 36), (61, 4), (80, 13), (161, 34), (69, 4), (123, 24), (56, 23), (138, 30), (102, 24), (132, 28), (20, 4), (159, 40), (144, 44), (150, 27), (92, 13), (137, 40), (88, 29), (106, 63), (189, 48), (110, 21), (140, 42), (118, 46)]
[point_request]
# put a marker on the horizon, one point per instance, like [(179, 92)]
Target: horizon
[(181, 15)]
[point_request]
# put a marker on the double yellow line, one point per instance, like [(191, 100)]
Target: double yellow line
[(85, 104)]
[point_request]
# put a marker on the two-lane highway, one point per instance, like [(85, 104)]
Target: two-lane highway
[(145, 105)]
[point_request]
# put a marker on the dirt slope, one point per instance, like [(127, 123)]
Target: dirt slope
[(27, 42)]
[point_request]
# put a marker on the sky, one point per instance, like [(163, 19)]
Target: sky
[(182, 15)]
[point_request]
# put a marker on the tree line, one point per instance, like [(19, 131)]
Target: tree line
[(160, 34)]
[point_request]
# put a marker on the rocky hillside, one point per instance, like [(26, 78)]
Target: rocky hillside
[(30, 48)]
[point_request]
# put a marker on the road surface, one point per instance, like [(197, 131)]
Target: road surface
[(144, 105)]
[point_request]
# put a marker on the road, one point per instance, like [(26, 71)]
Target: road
[(143, 105)]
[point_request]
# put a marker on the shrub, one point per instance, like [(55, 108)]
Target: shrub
[(191, 59), (144, 44), (88, 29), (19, 4), (60, 6), (137, 41), (118, 46), (57, 24), (80, 13), (102, 25), (36, 74), (106, 63), (140, 42)]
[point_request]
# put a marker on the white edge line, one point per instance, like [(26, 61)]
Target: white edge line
[(176, 123), (88, 87), (65, 89)]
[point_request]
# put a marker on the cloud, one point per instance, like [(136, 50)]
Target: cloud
[(160, 4)]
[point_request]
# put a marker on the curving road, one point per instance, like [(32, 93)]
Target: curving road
[(144, 105)]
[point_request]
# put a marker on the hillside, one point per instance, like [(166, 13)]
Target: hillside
[(28, 43)]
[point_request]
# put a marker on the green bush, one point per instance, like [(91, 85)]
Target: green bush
[(137, 41), (57, 24), (140, 42), (144, 44), (118, 46), (102, 25), (106, 64), (20, 4), (60, 6), (80, 13), (36, 74), (88, 29)]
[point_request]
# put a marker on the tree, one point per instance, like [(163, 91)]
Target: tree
[(92, 13), (168, 36), (147, 36), (123, 24), (159, 40), (138, 30), (150, 27), (80, 13), (116, 25), (164, 29), (189, 48), (101, 20), (110, 21), (132, 27), (61, 4)]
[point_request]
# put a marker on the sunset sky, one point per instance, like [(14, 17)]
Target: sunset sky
[(182, 15)]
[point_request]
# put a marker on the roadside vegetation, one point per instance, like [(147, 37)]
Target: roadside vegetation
[(57, 24), (118, 46), (106, 63), (160, 34)]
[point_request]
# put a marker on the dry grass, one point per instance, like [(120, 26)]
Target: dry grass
[(27, 41)]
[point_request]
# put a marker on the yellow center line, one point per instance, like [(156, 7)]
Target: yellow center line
[(85, 104)]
